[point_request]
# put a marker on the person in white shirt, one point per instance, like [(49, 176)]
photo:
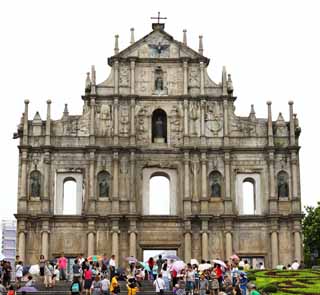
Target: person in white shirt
[(159, 284), (112, 265), (295, 265), (19, 273)]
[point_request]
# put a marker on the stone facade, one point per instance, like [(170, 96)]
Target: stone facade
[(159, 113)]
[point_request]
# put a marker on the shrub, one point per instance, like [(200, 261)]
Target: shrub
[(251, 277), (270, 288)]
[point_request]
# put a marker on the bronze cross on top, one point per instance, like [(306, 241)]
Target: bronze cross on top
[(158, 17)]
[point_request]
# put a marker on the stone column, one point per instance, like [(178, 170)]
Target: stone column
[(201, 78), (132, 123), (204, 240), (115, 188), (187, 199), (297, 246), (195, 172), (132, 78), (294, 179), (228, 200), (292, 131), (273, 200), (187, 247), (48, 123), (204, 199), (115, 239), (274, 249), (270, 129), (225, 122), (202, 123), (116, 77), (92, 120), (185, 77), (22, 207), (185, 121), (22, 246), (132, 182), (116, 121), (92, 182), (228, 245), (45, 244), (46, 182), (25, 123), (133, 238), (91, 237)]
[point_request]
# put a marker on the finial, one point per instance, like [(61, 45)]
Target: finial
[(65, 111), (185, 37), (290, 102), (229, 84), (116, 44), (26, 101), (201, 44), (88, 82), (224, 81), (132, 36), (93, 75), (252, 114), (269, 102), (49, 101)]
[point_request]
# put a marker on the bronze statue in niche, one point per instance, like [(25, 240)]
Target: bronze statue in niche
[(35, 183)]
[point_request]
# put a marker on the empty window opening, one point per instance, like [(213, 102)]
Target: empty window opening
[(249, 198), (165, 254), (69, 197), (159, 195)]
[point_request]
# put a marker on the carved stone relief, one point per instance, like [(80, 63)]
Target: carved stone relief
[(142, 124), (104, 120), (194, 77), (124, 120), (124, 76), (176, 127), (213, 119), (194, 118)]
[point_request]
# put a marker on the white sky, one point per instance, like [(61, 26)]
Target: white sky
[(271, 48)]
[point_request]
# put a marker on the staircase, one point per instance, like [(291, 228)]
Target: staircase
[(64, 288)]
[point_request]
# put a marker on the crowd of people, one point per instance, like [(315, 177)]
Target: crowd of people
[(101, 275)]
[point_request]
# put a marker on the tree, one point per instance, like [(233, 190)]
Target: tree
[(311, 233)]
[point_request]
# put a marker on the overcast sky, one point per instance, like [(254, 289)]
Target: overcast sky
[(271, 48)]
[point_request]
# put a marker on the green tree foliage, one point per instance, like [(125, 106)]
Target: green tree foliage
[(311, 231)]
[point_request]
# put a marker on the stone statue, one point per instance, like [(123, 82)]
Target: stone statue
[(159, 132), (103, 187), (35, 184), (283, 188), (159, 84), (215, 188)]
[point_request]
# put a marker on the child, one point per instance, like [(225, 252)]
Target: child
[(11, 291)]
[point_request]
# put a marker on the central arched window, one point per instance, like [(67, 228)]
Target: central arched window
[(69, 196), (249, 197), (159, 126), (159, 195)]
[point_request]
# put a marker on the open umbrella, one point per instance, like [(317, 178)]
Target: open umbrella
[(94, 258), (178, 265), (28, 289), (171, 257), (145, 265), (204, 266), (1, 257), (220, 262), (235, 257), (34, 270), (131, 259), (194, 261)]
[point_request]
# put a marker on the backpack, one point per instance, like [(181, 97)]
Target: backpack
[(75, 288)]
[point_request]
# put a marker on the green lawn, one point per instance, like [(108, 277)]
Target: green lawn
[(289, 282)]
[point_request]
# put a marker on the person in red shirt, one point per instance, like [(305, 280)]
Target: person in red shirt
[(62, 263), (219, 276), (151, 264)]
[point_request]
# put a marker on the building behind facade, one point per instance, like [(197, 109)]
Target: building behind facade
[(8, 244), (160, 114)]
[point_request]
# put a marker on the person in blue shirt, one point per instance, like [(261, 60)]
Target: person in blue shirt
[(243, 281)]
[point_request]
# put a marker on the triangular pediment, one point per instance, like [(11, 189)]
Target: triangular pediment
[(159, 44)]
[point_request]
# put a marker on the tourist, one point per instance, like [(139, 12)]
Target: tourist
[(105, 285), (80, 259), (2, 288), (237, 290), (196, 278), (75, 287), (166, 276), (96, 286), (112, 265), (261, 266), (76, 268), (159, 284), (19, 273), (177, 290), (114, 285), (151, 265), (203, 285), (48, 271), (87, 279), (132, 286), (160, 261), (62, 263), (253, 290), (11, 290), (295, 265), (6, 273), (234, 274), (190, 279), (246, 266), (42, 262), (56, 275), (243, 281), (219, 274), (213, 284), (104, 265), (29, 282)]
